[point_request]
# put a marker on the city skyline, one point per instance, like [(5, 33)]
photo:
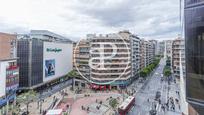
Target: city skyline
[(74, 19)]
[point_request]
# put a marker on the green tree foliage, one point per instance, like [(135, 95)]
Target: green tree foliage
[(26, 98), (113, 103), (146, 71), (72, 73), (167, 71)]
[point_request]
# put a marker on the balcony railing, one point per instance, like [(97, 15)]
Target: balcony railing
[(12, 67)]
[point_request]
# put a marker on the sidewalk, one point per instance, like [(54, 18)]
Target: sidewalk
[(172, 93)]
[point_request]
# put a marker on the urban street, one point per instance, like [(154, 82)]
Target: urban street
[(145, 97)]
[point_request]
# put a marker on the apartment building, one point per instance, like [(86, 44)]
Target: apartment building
[(168, 49), (110, 60), (161, 48), (81, 57), (9, 70), (178, 49), (44, 58), (151, 52), (123, 66), (142, 54), (155, 47), (147, 53), (178, 67), (134, 43)]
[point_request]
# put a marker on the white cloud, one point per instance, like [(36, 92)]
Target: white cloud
[(76, 18)]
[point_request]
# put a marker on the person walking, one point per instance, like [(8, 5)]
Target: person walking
[(159, 101)]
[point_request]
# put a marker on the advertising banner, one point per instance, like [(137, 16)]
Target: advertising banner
[(49, 68)]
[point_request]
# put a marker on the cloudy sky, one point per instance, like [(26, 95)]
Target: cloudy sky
[(151, 19)]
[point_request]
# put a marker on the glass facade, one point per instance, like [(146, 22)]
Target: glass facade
[(194, 35), (23, 54), (37, 62), (30, 61)]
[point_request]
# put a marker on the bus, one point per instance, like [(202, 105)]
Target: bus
[(125, 107)]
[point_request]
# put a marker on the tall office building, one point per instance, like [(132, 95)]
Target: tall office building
[(44, 58), (194, 44), (9, 70)]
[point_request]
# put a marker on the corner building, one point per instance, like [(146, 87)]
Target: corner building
[(122, 66), (45, 58)]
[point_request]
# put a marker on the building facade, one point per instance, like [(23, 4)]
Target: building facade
[(106, 59), (155, 47), (147, 53), (81, 57), (121, 53), (142, 54), (161, 48), (9, 70), (7, 46), (178, 49), (168, 49), (194, 44), (44, 58)]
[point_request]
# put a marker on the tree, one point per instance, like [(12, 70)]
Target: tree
[(167, 71), (113, 103), (15, 109), (27, 98), (73, 74), (149, 68), (144, 72)]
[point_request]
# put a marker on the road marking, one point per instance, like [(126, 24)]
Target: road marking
[(157, 106)]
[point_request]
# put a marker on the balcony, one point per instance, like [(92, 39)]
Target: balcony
[(12, 67)]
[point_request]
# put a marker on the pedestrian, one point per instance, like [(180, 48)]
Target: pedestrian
[(148, 100)]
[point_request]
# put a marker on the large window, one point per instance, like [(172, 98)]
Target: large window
[(194, 29)]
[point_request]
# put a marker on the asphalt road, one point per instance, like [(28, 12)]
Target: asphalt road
[(148, 91)]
